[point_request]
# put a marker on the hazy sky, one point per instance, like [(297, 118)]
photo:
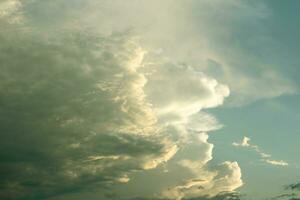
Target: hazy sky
[(149, 99)]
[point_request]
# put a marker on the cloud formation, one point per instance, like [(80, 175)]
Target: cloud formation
[(188, 31), (83, 109), (224, 179), (264, 156), (291, 192), (74, 115), (82, 119)]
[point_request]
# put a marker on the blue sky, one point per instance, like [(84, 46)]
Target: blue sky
[(149, 99), (272, 123)]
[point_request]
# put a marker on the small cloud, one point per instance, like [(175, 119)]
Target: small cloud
[(243, 143), (265, 157), (276, 162)]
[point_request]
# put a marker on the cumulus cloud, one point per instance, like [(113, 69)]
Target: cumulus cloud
[(74, 115), (188, 93), (83, 109), (264, 156), (82, 117), (224, 179), (208, 34)]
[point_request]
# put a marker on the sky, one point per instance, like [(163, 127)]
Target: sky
[(149, 100)]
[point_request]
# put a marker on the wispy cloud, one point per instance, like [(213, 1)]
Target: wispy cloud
[(276, 162), (245, 142)]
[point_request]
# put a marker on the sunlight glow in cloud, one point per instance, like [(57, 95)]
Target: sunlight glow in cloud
[(96, 91)]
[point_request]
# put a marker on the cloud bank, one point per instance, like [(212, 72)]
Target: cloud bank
[(75, 116), (94, 91)]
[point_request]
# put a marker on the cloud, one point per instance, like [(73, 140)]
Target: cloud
[(189, 92), (264, 156), (82, 118), (291, 192), (294, 186), (243, 143), (78, 113), (245, 87), (181, 31), (285, 196), (225, 179), (7, 7), (84, 109), (276, 162), (223, 196)]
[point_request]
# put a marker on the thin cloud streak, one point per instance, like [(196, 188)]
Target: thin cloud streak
[(265, 157)]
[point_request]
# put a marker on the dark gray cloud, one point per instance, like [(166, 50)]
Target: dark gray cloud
[(294, 186), (291, 192), (284, 196), (61, 128)]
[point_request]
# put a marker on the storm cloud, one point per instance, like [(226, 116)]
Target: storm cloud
[(82, 110)]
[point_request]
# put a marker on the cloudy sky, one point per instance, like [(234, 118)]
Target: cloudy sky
[(149, 99)]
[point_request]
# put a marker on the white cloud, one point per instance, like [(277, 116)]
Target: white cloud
[(249, 88), (243, 143), (181, 91), (7, 7), (226, 178), (277, 162), (203, 122), (207, 182), (9, 11), (178, 24), (265, 157)]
